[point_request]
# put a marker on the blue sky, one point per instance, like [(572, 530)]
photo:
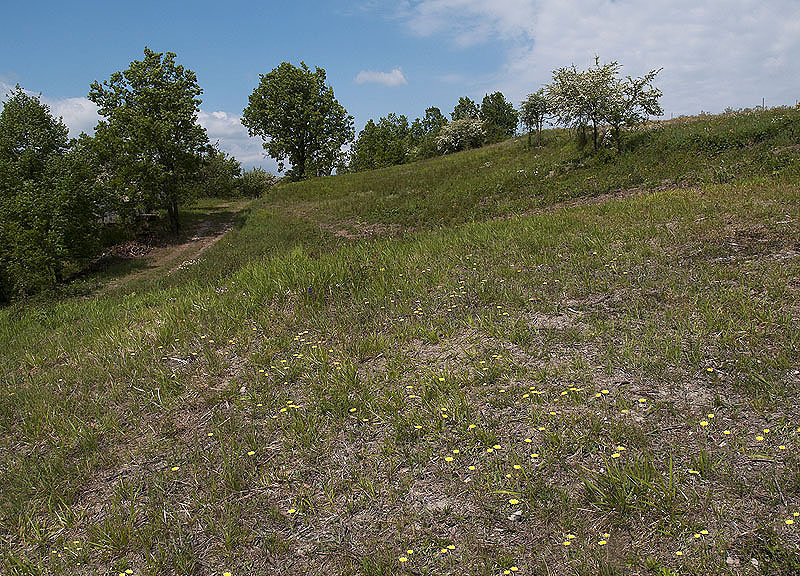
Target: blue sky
[(404, 56)]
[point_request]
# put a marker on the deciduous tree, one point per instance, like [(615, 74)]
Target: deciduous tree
[(150, 135), (534, 111), (299, 119)]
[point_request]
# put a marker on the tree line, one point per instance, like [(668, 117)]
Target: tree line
[(62, 199), (59, 197)]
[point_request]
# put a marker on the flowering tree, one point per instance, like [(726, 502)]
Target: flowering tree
[(534, 110), (460, 135), (597, 96)]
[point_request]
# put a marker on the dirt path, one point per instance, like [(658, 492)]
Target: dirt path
[(165, 259)]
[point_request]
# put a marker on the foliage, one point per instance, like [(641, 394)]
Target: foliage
[(461, 135), (255, 182), (299, 119), (425, 131), (381, 144), (581, 99), (219, 174), (533, 112), (150, 137), (499, 117), (49, 207), (466, 108)]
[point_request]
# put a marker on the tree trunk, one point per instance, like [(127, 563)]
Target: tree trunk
[(174, 216), (529, 139), (594, 134)]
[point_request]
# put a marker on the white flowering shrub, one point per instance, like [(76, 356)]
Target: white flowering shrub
[(460, 135)]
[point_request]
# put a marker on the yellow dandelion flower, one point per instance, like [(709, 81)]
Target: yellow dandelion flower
[(616, 455), (727, 432), (603, 542), (517, 467), (535, 455), (497, 447), (291, 510), (409, 551), (781, 447), (678, 553), (448, 458), (709, 416), (704, 532), (759, 438), (226, 574), (472, 427), (471, 468), (251, 452), (403, 559), (528, 440), (210, 434), (567, 543), (789, 522), (605, 391), (697, 535), (456, 451), (513, 501), (451, 547), (704, 423), (352, 410), (766, 430)]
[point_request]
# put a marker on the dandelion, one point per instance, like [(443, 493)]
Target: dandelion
[(352, 410), (704, 423), (175, 468), (616, 455), (403, 559), (602, 542), (210, 434), (517, 467), (472, 427), (456, 451), (727, 432), (678, 553), (604, 391), (226, 574), (789, 522), (759, 438), (251, 452), (448, 458), (497, 447), (513, 501), (451, 547), (534, 455), (710, 416), (704, 532), (781, 447), (291, 510), (471, 468), (409, 551)]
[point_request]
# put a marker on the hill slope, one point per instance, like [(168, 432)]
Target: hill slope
[(480, 359)]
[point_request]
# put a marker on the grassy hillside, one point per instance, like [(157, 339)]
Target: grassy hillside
[(503, 360)]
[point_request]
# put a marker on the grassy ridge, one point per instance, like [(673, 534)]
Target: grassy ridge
[(307, 401)]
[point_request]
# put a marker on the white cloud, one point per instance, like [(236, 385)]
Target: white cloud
[(233, 138), (79, 114), (715, 53), (393, 78)]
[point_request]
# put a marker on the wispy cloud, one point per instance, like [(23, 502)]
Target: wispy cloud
[(233, 138), (393, 78), (715, 53), (79, 114)]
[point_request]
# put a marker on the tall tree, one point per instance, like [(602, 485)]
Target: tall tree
[(381, 144), (499, 117), (425, 131), (150, 134), (466, 108), (48, 203), (299, 119), (534, 111)]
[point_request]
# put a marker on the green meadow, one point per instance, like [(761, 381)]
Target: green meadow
[(509, 360)]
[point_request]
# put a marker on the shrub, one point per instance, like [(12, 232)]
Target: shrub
[(461, 135), (256, 182)]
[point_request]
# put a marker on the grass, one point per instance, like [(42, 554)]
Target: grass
[(360, 369)]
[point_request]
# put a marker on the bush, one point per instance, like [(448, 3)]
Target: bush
[(461, 135), (255, 182)]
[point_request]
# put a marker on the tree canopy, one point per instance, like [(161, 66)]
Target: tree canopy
[(150, 136), (466, 108), (299, 119), (499, 117), (596, 96), (534, 111), (48, 197)]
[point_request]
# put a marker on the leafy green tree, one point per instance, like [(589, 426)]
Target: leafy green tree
[(150, 136), (49, 203), (466, 108), (425, 131), (256, 182), (499, 117), (299, 119), (219, 174), (381, 144), (534, 111)]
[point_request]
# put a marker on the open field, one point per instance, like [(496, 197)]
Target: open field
[(501, 361)]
